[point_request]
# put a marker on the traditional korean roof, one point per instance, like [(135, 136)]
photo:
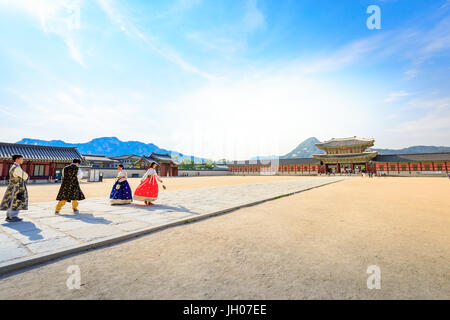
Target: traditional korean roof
[(345, 142), (347, 155), (442, 156), (148, 159), (163, 158), (39, 153), (127, 156), (97, 157), (346, 158)]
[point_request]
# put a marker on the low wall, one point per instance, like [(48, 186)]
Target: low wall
[(312, 173), (196, 173), (33, 181), (412, 173), (112, 173)]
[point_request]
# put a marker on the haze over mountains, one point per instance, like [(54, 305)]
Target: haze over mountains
[(111, 146)]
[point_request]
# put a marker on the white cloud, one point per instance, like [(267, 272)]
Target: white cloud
[(231, 38), (57, 17), (434, 123), (345, 56), (394, 96), (254, 18), (125, 24)]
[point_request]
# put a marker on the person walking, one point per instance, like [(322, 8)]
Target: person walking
[(70, 190), (147, 190), (121, 191), (16, 195)]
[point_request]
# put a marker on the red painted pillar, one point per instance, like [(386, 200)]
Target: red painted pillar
[(53, 170)]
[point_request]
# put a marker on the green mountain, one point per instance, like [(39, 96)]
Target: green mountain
[(304, 150)]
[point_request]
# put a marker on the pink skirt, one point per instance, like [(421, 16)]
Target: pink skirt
[(147, 190)]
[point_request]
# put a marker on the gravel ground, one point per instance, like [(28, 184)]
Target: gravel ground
[(313, 245)]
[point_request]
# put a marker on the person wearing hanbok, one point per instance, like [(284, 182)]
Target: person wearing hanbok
[(121, 191), (147, 190), (70, 190), (16, 195)]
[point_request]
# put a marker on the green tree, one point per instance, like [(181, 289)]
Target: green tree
[(187, 164)]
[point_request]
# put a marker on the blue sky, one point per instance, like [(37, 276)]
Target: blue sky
[(227, 78)]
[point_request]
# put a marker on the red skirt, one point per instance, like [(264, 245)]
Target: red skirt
[(147, 190)]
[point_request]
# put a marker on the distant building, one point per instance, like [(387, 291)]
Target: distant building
[(347, 156), (132, 161), (99, 161), (40, 162), (167, 165)]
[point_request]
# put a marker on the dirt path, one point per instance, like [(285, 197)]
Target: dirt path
[(316, 244)]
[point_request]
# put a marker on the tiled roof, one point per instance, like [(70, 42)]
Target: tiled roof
[(34, 152), (148, 159), (443, 156), (343, 156), (344, 142), (97, 157), (127, 156), (163, 157)]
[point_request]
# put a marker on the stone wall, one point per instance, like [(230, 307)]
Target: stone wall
[(196, 173), (412, 173)]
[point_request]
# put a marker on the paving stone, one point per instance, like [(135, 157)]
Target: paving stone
[(133, 226), (51, 245), (93, 232), (37, 235), (43, 231), (10, 249)]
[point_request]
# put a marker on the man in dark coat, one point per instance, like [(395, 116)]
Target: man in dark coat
[(16, 195), (70, 188)]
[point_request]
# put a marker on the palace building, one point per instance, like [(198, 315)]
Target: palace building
[(349, 156), (42, 163), (168, 167)]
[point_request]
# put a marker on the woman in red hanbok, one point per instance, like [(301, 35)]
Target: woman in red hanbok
[(147, 191)]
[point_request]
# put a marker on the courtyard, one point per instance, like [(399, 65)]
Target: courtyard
[(314, 244)]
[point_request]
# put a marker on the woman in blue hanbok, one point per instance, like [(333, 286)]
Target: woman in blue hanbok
[(121, 191)]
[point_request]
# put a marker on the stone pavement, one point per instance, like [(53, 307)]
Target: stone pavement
[(43, 236)]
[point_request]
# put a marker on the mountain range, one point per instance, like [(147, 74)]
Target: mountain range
[(112, 146)]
